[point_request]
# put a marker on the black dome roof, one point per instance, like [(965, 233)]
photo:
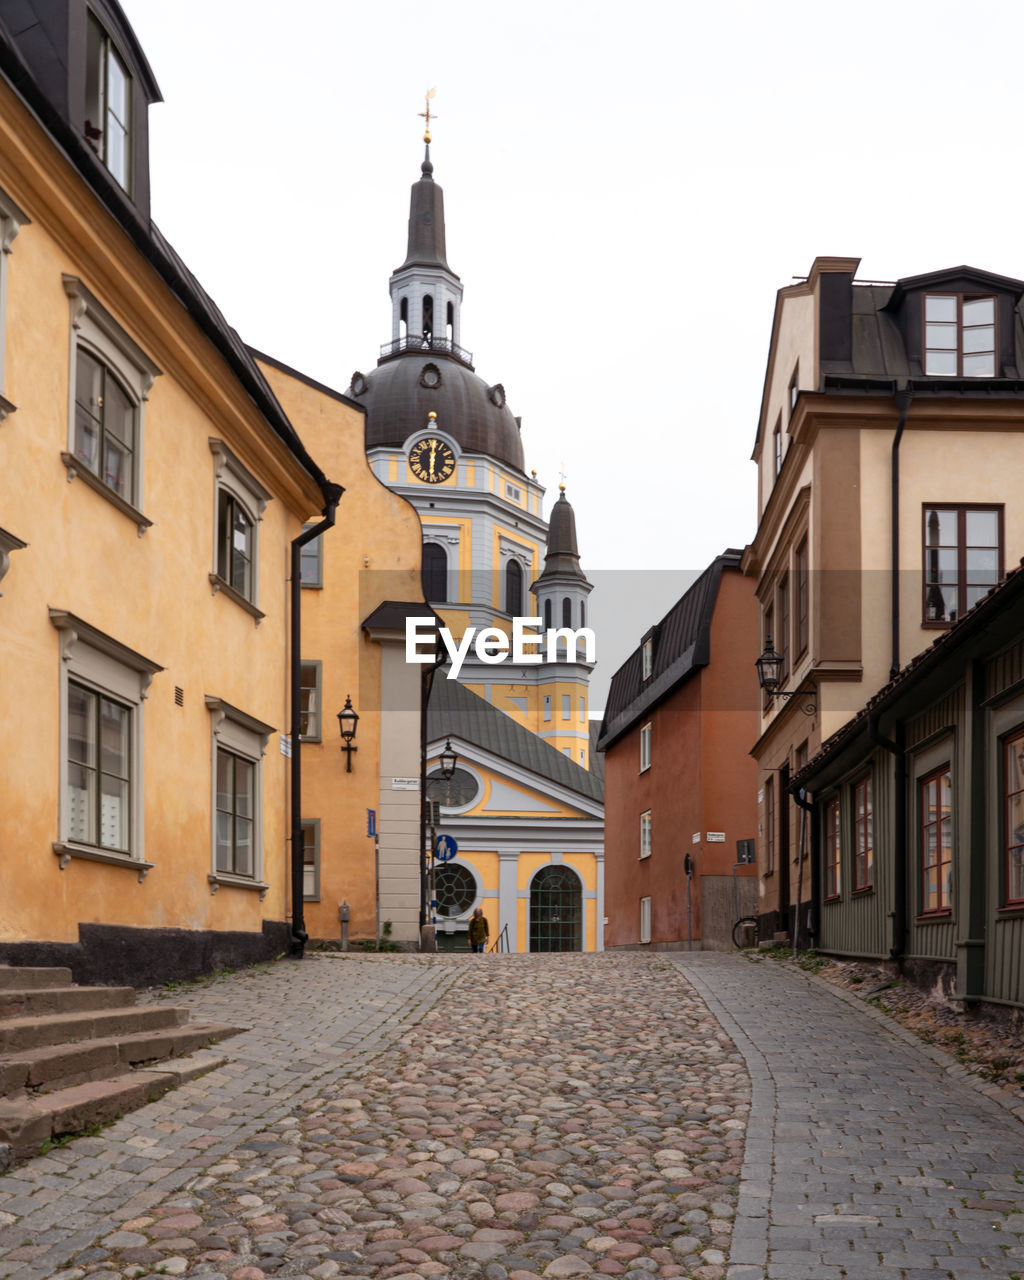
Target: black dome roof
[(401, 392)]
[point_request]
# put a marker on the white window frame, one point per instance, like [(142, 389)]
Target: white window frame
[(94, 329), (240, 734), (646, 842), (311, 894), (647, 658), (231, 476), (90, 658), (318, 694), (645, 920), (645, 747), (547, 707), (11, 221), (566, 706), (311, 556)]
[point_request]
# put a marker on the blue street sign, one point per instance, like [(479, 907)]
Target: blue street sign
[(371, 822), (445, 849)]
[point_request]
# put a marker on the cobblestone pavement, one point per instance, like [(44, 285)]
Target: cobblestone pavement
[(866, 1158), (555, 1116)]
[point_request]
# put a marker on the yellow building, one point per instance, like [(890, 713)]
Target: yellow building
[(151, 490), (442, 437)]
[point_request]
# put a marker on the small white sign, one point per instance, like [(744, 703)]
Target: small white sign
[(695, 838), (715, 837), (405, 784), (760, 795), (286, 746)]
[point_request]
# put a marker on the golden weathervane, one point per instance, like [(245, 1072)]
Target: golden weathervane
[(427, 115)]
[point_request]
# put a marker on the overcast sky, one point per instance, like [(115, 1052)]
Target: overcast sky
[(626, 187)]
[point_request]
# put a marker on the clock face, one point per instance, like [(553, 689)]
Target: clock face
[(431, 460)]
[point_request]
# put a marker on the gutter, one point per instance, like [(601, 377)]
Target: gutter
[(899, 825), (332, 496)]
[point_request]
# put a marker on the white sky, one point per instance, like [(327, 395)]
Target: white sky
[(626, 187)]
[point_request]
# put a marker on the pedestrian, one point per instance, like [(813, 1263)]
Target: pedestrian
[(479, 931)]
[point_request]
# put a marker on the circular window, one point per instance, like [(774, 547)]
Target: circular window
[(461, 788), (455, 890), (431, 376), (358, 383)]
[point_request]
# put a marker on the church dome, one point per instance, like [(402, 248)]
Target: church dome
[(400, 393)]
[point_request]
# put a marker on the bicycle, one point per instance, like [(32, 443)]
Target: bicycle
[(740, 928)]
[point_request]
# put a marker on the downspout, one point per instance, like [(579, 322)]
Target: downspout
[(899, 817), (332, 495), (903, 397), (807, 807)]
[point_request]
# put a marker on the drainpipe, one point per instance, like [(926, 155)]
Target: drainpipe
[(903, 397), (899, 852), (332, 495), (800, 797)]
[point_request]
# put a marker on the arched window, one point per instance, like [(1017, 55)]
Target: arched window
[(454, 889), (451, 322), (566, 612), (435, 572), (514, 588), (403, 317), (547, 615), (583, 613), (556, 910), (428, 316)]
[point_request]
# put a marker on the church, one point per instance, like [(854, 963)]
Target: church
[(524, 806)]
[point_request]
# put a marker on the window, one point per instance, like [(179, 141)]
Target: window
[(311, 860), (583, 709), (833, 849), (936, 825), (566, 612), (310, 702), (802, 591), (455, 889), (1013, 838), (782, 640), (863, 835), (645, 834), (647, 658), (102, 691), (108, 94), (645, 919), (959, 336), (239, 741), (547, 706), (435, 572), (769, 826), (109, 382), (460, 789), (547, 615), (566, 706), (240, 503), (794, 388), (645, 747), (767, 642), (777, 446), (311, 561), (514, 588), (11, 221), (963, 558)]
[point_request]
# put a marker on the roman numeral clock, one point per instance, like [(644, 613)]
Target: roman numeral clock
[(431, 460)]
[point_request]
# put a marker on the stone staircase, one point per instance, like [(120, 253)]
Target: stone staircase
[(73, 1057)]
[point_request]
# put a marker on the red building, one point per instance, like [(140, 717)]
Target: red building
[(680, 784)]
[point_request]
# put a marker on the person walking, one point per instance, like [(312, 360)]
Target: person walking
[(479, 931)]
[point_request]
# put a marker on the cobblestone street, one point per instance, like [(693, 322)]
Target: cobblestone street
[(551, 1116)]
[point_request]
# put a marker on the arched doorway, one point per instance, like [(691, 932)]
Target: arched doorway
[(556, 910)]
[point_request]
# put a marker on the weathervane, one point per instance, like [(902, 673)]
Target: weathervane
[(427, 116)]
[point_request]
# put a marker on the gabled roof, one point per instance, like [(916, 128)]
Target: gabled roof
[(454, 711), (682, 645)]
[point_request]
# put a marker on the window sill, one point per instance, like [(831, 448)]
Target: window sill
[(231, 881), (75, 468), (935, 917), (643, 857), (936, 624), (833, 897), (862, 890), (219, 584), (1015, 911), (66, 851), (311, 586)]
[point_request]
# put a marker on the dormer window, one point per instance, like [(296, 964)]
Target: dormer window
[(960, 336), (108, 93)]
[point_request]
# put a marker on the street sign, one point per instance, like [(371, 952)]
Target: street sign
[(371, 822), (445, 849)]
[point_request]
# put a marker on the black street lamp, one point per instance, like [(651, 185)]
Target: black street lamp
[(348, 718), (449, 759), (769, 676)]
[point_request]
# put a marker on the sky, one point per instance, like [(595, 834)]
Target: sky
[(626, 188)]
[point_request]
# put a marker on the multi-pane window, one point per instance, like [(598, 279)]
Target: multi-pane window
[(311, 561), (645, 747), (863, 835), (236, 790), (833, 850), (647, 658), (645, 919), (936, 825), (777, 445), (310, 702), (769, 825), (98, 769), (645, 834), (802, 571), (963, 558), (235, 539), (104, 431), (311, 860), (959, 336), (108, 94), (1013, 839)]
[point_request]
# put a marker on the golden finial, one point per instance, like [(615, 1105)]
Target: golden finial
[(432, 415), (561, 488), (427, 116)]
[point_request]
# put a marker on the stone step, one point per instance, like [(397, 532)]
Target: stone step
[(28, 1122), (34, 1002), (20, 1034), (13, 976), (62, 1066)]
